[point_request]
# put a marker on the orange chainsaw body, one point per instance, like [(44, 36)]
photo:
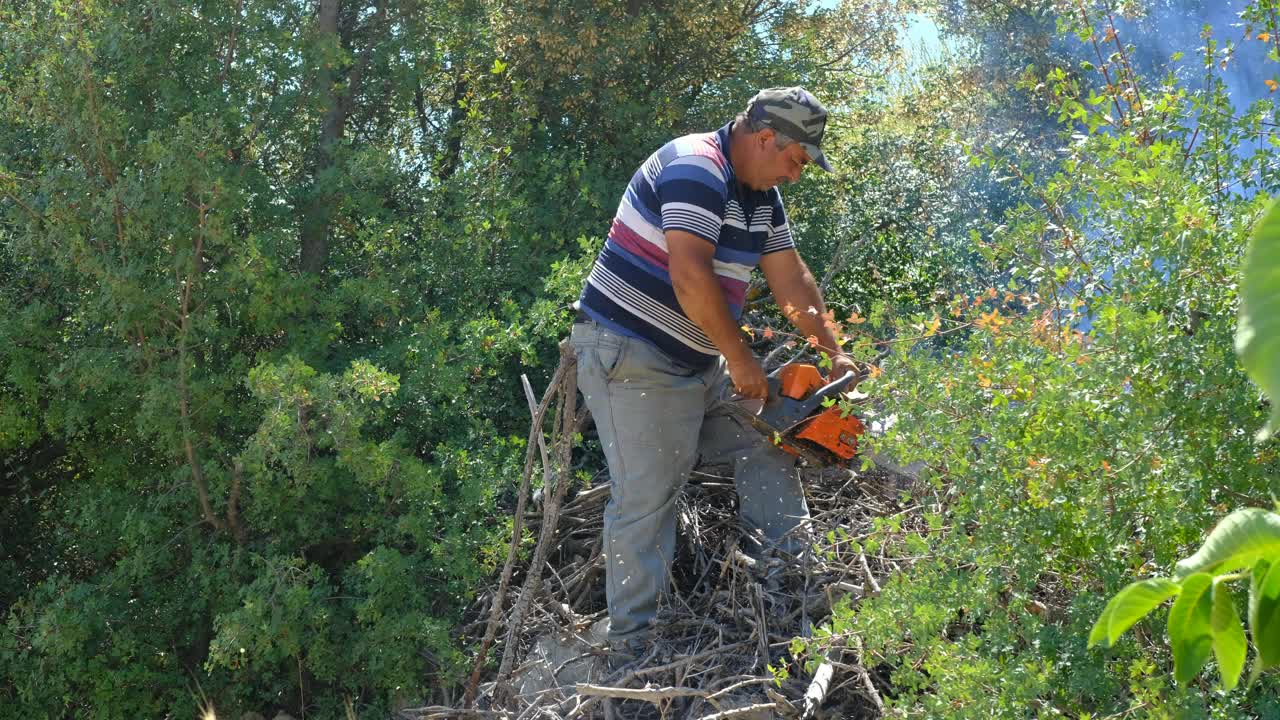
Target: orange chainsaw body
[(827, 429)]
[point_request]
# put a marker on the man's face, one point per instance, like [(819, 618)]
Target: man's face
[(774, 166)]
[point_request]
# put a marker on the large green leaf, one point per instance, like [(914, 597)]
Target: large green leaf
[(1229, 644), (1240, 540), (1190, 634), (1128, 607), (1258, 334), (1264, 614)]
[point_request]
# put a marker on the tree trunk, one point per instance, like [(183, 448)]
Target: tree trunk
[(316, 220), (453, 138)]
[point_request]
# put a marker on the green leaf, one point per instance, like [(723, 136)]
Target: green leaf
[(1189, 630), (1238, 541), (1128, 607), (1229, 644), (1264, 614), (498, 67), (1258, 334)]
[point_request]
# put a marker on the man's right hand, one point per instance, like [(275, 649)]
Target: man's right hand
[(748, 378), (693, 277)]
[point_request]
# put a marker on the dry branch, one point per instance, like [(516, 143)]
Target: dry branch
[(567, 415), (650, 694), (818, 687), (746, 711), (495, 612), (867, 684)]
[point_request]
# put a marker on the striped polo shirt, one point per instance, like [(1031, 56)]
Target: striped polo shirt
[(689, 185)]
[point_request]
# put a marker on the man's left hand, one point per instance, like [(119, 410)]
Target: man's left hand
[(840, 365)]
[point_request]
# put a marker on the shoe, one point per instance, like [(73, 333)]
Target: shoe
[(626, 654), (635, 710)]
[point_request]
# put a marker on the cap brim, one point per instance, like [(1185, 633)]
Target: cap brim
[(816, 156)]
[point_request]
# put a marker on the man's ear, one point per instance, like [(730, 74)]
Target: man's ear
[(765, 137)]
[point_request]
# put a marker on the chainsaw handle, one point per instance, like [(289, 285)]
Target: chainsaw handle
[(832, 388), (775, 390), (809, 404)]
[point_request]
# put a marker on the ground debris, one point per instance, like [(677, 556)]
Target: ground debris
[(721, 645), (728, 621)]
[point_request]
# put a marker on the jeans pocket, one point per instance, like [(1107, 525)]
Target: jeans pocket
[(649, 360), (609, 355)]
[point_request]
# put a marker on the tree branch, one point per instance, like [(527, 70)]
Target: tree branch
[(184, 388)]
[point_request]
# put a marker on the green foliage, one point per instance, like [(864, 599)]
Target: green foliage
[(1080, 419), (269, 275), (1189, 632), (1258, 337), (1204, 615), (1240, 540), (1204, 612), (1264, 613), (1228, 635), (1129, 606)]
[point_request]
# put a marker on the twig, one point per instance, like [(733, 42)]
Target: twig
[(542, 439), (762, 628), (739, 685), (653, 695), (517, 522), (567, 389), (871, 580), (431, 712), (870, 687)]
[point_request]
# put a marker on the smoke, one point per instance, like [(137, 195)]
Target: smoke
[(1176, 26), (1174, 37), (1214, 45)]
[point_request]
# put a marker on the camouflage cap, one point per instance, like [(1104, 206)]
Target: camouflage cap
[(794, 112)]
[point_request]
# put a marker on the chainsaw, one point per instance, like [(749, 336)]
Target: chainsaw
[(802, 416)]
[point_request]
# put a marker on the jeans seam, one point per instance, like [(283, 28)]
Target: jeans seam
[(615, 482)]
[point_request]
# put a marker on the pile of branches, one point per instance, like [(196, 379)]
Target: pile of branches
[(722, 646)]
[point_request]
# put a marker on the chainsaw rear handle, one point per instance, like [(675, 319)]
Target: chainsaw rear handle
[(775, 384), (804, 408)]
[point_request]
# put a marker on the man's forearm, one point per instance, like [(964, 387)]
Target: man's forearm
[(801, 300), (703, 301)]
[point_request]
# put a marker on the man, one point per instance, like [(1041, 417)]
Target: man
[(659, 346)]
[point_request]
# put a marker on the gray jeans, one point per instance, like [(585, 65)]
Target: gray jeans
[(656, 418)]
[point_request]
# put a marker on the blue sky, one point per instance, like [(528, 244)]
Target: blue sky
[(922, 38), (922, 31)]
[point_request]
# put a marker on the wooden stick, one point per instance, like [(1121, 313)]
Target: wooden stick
[(542, 439), (872, 588), (739, 685), (495, 611), (762, 628), (440, 711), (866, 677), (818, 687), (652, 695), (567, 388)]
